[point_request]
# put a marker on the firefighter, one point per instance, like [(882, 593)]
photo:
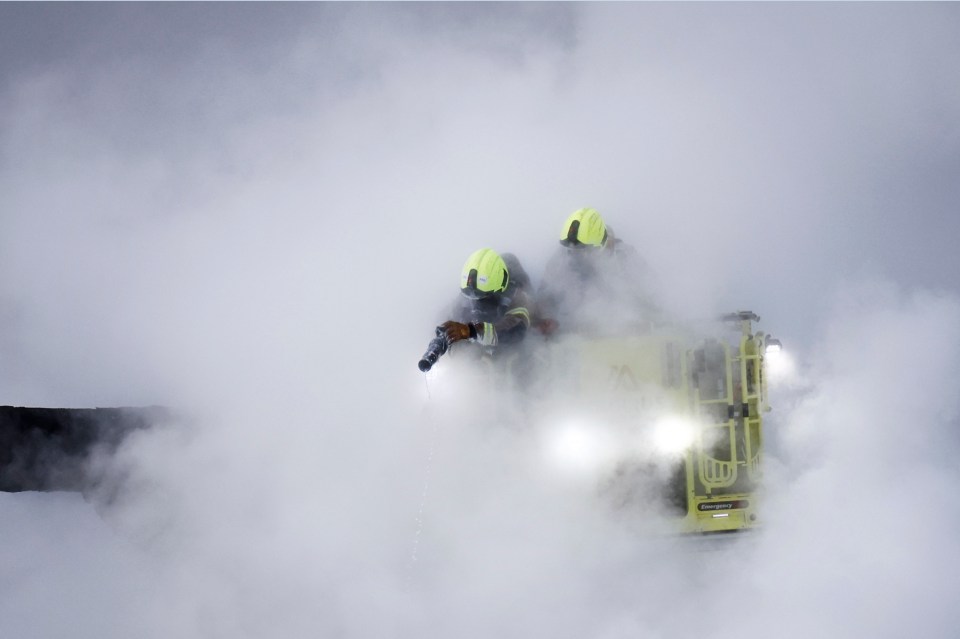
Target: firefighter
[(594, 280), (494, 307)]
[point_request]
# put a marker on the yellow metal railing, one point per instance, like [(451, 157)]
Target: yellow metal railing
[(752, 382), (713, 472)]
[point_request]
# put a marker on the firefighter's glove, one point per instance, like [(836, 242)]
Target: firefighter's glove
[(455, 331)]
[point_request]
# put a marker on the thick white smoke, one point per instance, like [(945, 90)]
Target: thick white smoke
[(253, 215)]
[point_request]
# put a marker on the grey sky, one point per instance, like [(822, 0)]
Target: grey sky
[(256, 211)]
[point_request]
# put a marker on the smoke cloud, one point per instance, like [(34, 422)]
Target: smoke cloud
[(254, 213)]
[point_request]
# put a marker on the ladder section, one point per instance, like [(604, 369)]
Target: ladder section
[(713, 401)]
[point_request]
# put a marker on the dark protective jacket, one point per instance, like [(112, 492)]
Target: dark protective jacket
[(503, 318), (584, 288)]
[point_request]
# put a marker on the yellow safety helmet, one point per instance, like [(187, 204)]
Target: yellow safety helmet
[(584, 227), (484, 274)]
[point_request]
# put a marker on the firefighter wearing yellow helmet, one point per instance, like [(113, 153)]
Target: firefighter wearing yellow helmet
[(494, 305), (493, 308), (594, 280)]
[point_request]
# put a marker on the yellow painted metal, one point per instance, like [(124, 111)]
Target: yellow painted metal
[(630, 377), (713, 472)]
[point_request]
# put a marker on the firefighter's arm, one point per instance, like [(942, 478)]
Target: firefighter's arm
[(510, 328)]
